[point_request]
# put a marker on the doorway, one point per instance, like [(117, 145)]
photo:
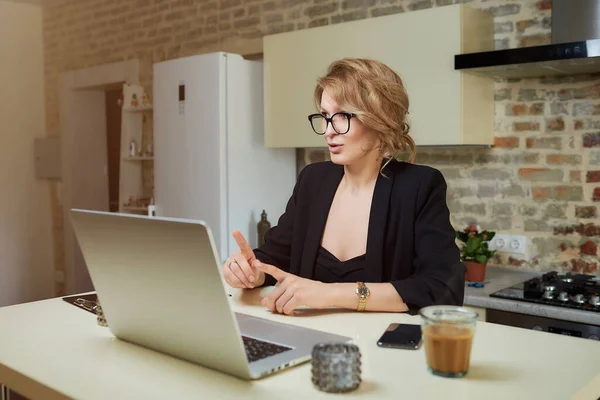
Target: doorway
[(90, 152)]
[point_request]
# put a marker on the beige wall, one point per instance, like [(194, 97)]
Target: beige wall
[(26, 267)]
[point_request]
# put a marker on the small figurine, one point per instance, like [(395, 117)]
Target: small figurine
[(145, 99), (134, 100), (132, 149)]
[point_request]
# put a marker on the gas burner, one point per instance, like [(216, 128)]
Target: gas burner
[(548, 295), (595, 301)]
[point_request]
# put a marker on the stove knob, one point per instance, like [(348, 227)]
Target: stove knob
[(538, 328), (579, 299), (563, 296), (548, 295), (593, 337), (595, 301)]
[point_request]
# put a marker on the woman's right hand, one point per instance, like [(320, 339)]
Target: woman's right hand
[(238, 270)]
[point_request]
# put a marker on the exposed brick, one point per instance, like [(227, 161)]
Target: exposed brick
[(508, 9), (559, 108), (540, 193), (443, 2), (591, 140), (586, 109), (319, 10), (553, 125), (506, 142), (532, 225), (555, 211), (279, 28), (596, 195), (586, 212), (541, 174), (318, 22), (484, 190), (534, 40), (575, 176), (246, 23), (273, 18), (349, 16), (380, 11), (350, 4), (503, 94), (544, 143), (594, 157), (420, 5), (570, 193), (579, 265), (589, 248), (589, 230), (490, 173), (526, 126), (572, 159), (535, 94), (478, 209), (524, 24), (226, 4), (527, 210), (592, 176), (502, 209), (544, 5), (503, 27), (589, 123), (522, 109), (501, 44)]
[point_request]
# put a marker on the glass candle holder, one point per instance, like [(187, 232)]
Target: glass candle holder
[(336, 367), (100, 315)]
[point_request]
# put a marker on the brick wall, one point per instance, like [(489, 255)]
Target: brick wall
[(541, 180)]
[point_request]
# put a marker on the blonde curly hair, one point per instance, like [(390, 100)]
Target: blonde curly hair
[(376, 94)]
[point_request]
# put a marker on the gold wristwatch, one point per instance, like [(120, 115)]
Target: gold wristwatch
[(363, 292)]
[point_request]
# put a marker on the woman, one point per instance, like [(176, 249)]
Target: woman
[(363, 231)]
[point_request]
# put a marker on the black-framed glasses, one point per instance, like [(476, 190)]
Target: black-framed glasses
[(340, 122)]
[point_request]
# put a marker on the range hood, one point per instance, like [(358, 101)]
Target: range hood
[(575, 47)]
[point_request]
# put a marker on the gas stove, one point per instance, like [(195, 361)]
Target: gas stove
[(576, 291)]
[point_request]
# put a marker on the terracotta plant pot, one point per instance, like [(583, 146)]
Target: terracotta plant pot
[(475, 271)]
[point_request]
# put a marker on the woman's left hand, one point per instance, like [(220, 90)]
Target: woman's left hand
[(293, 291)]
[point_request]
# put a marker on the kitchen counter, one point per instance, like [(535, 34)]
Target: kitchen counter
[(53, 350), (498, 278)]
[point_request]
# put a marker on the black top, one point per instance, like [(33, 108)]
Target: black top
[(410, 241), (329, 269)]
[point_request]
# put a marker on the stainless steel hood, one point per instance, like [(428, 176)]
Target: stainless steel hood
[(575, 47)]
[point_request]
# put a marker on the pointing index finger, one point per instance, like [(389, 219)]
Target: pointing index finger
[(243, 245)]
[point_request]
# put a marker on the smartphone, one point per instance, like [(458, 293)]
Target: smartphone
[(401, 336)]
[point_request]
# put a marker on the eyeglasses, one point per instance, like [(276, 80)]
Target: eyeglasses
[(340, 122)]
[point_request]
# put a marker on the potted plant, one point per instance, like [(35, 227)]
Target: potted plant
[(475, 252)]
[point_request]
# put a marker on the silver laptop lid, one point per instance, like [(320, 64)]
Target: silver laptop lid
[(160, 285)]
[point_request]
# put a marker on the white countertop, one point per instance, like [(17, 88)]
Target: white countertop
[(54, 350)]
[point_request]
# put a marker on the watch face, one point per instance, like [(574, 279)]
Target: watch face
[(362, 291)]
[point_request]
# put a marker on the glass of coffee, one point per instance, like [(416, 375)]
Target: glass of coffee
[(448, 334)]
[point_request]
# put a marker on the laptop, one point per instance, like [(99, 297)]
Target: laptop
[(160, 285)]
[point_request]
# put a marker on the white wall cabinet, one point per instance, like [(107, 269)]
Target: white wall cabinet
[(447, 107)]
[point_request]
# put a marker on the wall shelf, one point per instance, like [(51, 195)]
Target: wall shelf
[(135, 209), (138, 109), (139, 158)]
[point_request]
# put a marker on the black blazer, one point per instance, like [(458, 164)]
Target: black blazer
[(410, 241)]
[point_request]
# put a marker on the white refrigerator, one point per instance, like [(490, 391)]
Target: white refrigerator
[(210, 162)]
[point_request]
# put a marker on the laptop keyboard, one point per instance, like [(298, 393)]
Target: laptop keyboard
[(257, 349)]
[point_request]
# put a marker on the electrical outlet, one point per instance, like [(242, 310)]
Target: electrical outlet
[(515, 244)]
